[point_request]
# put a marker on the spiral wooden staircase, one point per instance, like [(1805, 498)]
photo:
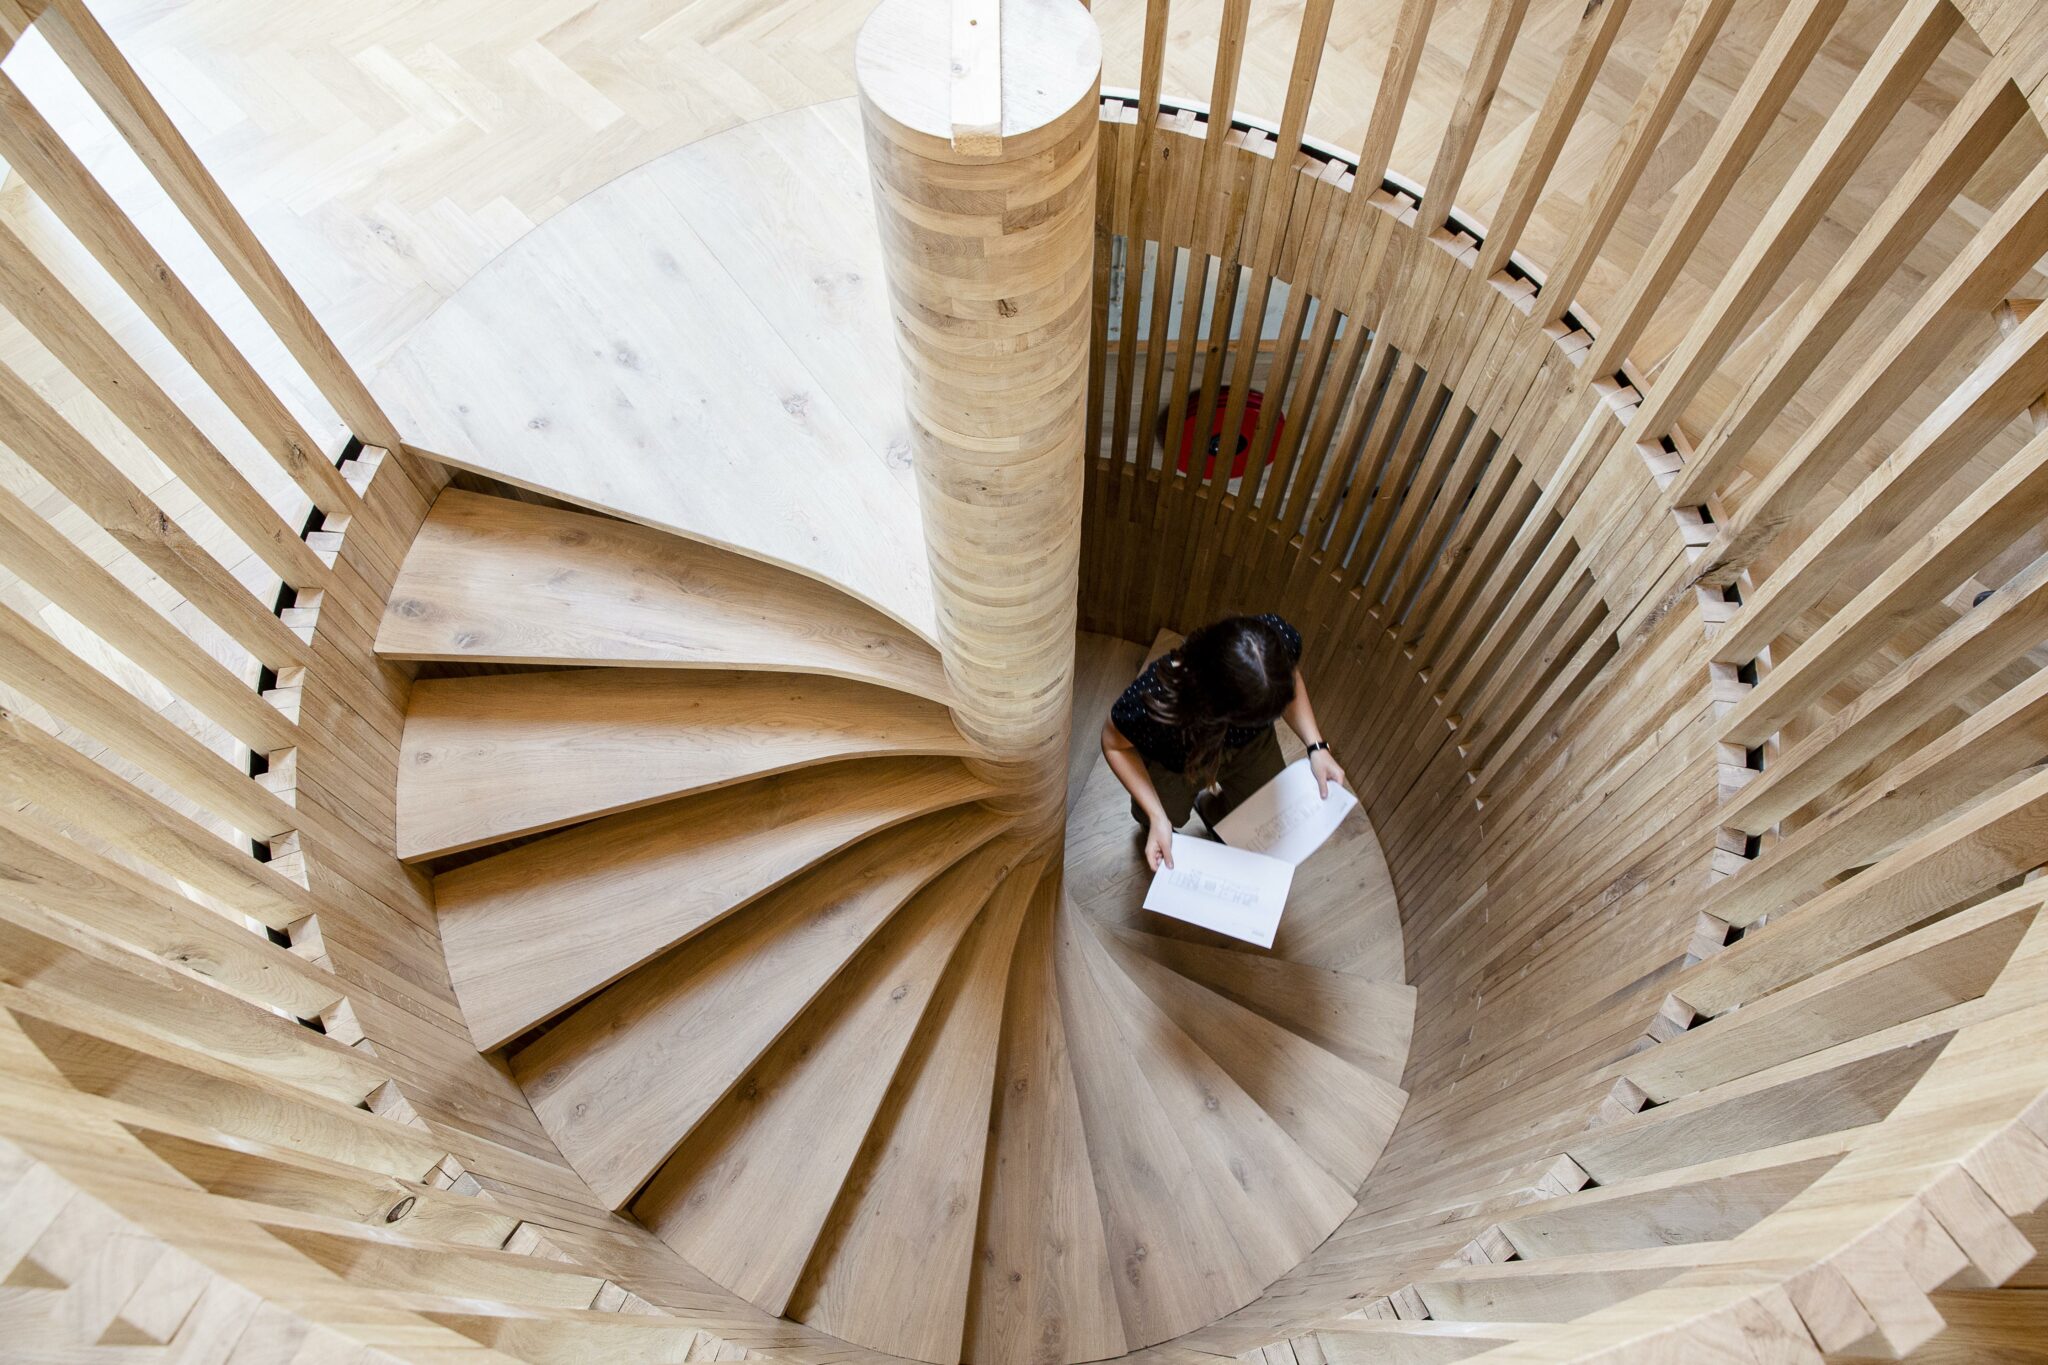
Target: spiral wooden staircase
[(587, 844), (804, 1002)]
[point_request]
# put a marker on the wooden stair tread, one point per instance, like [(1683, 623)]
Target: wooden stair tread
[(1103, 668), (531, 931), (1342, 908), (1177, 1265), (1043, 1283), (1341, 912), (1276, 1200), (1338, 1114), (892, 1268), (786, 1134), (699, 1016), (496, 580), (489, 758), (1367, 1022), (1106, 871)]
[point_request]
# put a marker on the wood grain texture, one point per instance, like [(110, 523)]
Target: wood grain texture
[(1174, 1262), (1277, 1202), (1041, 1290), (891, 1269), (789, 1132), (532, 931), (616, 360), (485, 759), (1534, 727), (701, 1015), (498, 581), (1335, 1112), (1366, 1020)]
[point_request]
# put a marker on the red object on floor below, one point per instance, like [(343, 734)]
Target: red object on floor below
[(1247, 428)]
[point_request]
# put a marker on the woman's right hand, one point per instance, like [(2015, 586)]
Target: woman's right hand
[(1159, 843)]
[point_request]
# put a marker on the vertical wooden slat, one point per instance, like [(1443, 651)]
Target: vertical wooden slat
[(1407, 538), (1397, 79), (1940, 776), (39, 300), (1368, 471), (53, 566), (1438, 635), (1280, 376), (1522, 747), (1098, 330), (1898, 497), (34, 663), (1167, 278), (1973, 130), (1473, 525), (1891, 75), (1131, 436), (117, 88), (1983, 641), (1139, 180), (1290, 172), (1216, 139), (1315, 389), (1497, 33), (1223, 84), (1111, 174), (1470, 655), (1964, 856), (1299, 402), (1996, 513), (1974, 281), (56, 450), (1553, 127), (1332, 448), (1792, 45), (1400, 483), (1691, 36), (1207, 480), (71, 787), (31, 147), (62, 877)]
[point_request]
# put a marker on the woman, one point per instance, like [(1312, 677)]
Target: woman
[(1197, 725)]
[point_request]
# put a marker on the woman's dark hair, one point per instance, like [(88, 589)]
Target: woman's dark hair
[(1233, 672)]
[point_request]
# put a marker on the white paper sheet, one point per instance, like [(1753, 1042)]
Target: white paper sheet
[(1287, 818), (1230, 890)]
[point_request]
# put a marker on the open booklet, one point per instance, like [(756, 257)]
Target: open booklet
[(1288, 818), (1222, 888), (1239, 887)]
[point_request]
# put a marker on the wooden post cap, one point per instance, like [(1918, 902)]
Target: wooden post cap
[(976, 78)]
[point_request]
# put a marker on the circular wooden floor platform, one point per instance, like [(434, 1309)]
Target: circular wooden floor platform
[(701, 345)]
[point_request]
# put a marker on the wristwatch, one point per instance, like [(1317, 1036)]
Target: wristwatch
[(1323, 744)]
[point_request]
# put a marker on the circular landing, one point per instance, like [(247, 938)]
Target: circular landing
[(711, 873), (702, 345), (779, 985)]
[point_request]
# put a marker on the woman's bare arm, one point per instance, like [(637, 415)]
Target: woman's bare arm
[(1129, 767), (1300, 716)]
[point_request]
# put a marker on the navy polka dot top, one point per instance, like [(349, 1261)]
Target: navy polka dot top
[(1163, 744)]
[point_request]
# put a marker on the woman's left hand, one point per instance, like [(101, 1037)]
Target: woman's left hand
[(1324, 766)]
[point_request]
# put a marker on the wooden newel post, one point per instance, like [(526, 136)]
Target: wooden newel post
[(988, 241)]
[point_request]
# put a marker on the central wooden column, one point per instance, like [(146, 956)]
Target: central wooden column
[(986, 196)]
